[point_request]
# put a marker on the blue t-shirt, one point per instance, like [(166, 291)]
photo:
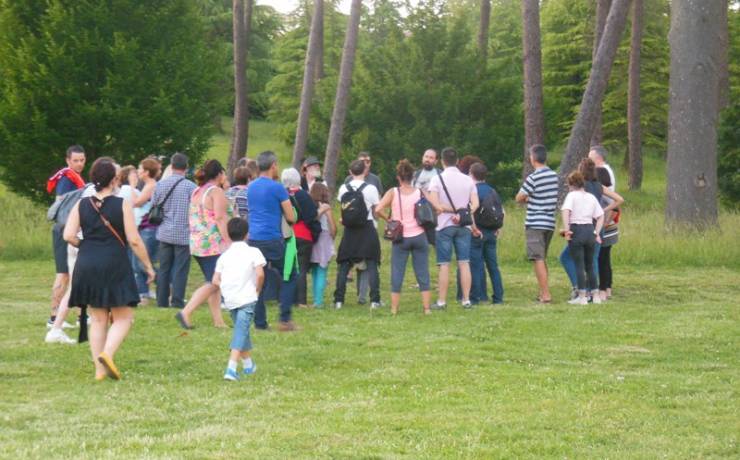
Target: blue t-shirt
[(65, 185), (263, 200), (483, 191)]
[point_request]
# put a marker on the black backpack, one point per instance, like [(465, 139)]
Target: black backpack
[(490, 213), (354, 209)]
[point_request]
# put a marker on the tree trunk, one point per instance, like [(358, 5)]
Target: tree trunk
[(485, 19), (534, 117), (580, 134), (319, 65), (695, 36), (304, 113), (341, 102), (241, 103), (634, 131), (602, 11)]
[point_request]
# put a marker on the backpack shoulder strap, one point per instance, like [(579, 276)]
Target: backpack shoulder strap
[(349, 187), (362, 187)]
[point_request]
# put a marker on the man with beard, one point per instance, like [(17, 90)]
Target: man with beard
[(427, 171)]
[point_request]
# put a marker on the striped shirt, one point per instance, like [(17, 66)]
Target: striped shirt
[(542, 189)]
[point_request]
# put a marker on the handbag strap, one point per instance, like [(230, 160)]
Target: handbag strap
[(106, 222), (444, 186), (166, 197), (400, 205)]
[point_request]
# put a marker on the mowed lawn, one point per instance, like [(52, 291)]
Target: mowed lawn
[(653, 373)]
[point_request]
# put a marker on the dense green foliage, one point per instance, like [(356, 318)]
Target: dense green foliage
[(729, 132), (123, 78)]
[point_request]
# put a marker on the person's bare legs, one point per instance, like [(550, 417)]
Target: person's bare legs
[(123, 317), (214, 304), (200, 295), (62, 311), (444, 281), (61, 281), (540, 270), (395, 301), (97, 337), (426, 300), (466, 279)]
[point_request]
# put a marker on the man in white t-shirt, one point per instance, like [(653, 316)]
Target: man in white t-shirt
[(597, 154), (360, 245), (240, 275)]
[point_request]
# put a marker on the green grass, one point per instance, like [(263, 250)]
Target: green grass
[(654, 373)]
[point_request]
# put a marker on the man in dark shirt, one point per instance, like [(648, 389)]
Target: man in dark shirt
[(64, 181)]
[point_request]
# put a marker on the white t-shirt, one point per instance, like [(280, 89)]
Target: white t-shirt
[(238, 278), (369, 192), (583, 207)]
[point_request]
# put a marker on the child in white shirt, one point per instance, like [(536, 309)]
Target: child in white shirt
[(240, 276)]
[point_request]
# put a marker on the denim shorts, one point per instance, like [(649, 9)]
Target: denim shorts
[(459, 237), (207, 266), (242, 317)]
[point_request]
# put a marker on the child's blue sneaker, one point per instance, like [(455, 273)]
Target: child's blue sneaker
[(250, 370), (231, 375)]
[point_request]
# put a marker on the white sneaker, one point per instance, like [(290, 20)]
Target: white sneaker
[(58, 336), (578, 301), (65, 325), (338, 305), (375, 305), (595, 297)]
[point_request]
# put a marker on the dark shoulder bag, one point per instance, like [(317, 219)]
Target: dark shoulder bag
[(394, 228), (464, 215), (156, 213)]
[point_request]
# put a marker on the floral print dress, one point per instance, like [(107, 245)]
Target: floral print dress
[(205, 238)]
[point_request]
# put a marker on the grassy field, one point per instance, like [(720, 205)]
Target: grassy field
[(653, 373)]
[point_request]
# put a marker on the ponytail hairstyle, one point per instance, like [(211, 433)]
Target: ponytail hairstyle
[(209, 171), (405, 171), (588, 169)]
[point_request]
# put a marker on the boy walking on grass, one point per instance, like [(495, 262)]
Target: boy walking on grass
[(239, 275)]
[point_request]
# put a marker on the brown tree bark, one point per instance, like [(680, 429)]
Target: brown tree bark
[(694, 38), (534, 116), (485, 20), (309, 73), (240, 135), (304, 112), (319, 65), (580, 134), (602, 11), (634, 130), (341, 102)]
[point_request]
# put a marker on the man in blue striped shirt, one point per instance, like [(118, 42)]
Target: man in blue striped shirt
[(540, 193)]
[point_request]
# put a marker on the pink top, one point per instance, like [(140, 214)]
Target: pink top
[(583, 207), (461, 188), (410, 227), (205, 238)]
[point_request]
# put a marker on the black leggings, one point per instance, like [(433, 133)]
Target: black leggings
[(605, 268), (581, 247)]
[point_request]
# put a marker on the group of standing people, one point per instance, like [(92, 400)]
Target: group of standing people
[(256, 238)]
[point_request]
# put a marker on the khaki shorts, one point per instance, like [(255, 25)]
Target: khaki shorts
[(538, 241)]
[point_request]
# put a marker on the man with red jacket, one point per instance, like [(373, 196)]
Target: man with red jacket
[(65, 180)]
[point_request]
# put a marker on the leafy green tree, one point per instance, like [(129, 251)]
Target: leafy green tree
[(124, 78), (729, 134)]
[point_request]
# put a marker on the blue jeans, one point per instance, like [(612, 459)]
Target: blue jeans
[(570, 265), (454, 236), (274, 253), (174, 267), (482, 257), (242, 318), (149, 236), (418, 248)]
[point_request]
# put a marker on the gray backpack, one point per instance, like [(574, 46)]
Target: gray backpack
[(59, 211)]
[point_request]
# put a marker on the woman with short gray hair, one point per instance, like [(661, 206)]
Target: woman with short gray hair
[(306, 229)]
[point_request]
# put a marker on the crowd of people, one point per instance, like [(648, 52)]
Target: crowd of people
[(260, 234)]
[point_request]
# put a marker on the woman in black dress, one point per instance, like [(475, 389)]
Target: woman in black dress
[(102, 277)]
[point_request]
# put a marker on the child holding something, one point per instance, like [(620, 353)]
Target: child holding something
[(240, 276)]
